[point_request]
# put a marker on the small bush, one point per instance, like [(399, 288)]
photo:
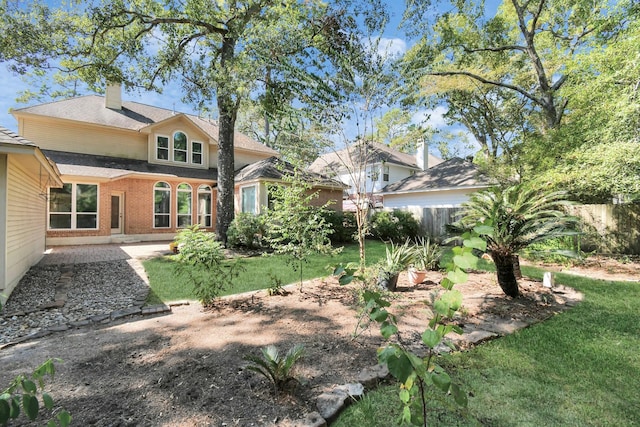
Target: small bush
[(202, 261), (343, 225), (248, 231), (395, 226), (274, 367)]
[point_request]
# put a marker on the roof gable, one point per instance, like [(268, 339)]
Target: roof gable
[(453, 173), (277, 169), (371, 152)]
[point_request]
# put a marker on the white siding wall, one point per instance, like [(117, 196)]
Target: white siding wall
[(396, 173), (3, 227), (26, 221), (427, 199)]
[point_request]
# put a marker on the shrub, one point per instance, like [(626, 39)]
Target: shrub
[(201, 259), (396, 226), (343, 225), (248, 231), (275, 368)]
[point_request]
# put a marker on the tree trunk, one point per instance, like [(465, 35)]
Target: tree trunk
[(506, 277), (228, 110), (224, 214), (516, 267)]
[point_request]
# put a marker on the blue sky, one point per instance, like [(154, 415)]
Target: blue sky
[(393, 38)]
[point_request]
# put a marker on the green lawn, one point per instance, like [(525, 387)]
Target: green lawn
[(580, 368), (260, 272)]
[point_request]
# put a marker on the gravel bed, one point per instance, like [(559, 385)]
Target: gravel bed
[(96, 289)]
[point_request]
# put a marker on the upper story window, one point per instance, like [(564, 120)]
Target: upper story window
[(196, 153), (73, 207), (385, 173), (178, 149)]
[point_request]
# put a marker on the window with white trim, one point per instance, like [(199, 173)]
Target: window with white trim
[(162, 148), (180, 147), (162, 205), (204, 206), (73, 207), (184, 206), (385, 173), (196, 152), (248, 199)]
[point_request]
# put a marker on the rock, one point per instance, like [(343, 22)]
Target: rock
[(330, 404), (312, 419), (370, 377)]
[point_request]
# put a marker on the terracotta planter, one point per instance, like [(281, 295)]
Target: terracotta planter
[(416, 276)]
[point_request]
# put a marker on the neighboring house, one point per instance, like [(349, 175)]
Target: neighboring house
[(252, 183), (433, 196), (25, 177), (368, 167), (131, 172)]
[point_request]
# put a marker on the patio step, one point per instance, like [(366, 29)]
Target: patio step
[(124, 239)]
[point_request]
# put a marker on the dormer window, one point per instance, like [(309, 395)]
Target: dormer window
[(179, 149)]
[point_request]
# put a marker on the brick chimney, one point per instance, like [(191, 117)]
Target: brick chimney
[(422, 155), (113, 96)]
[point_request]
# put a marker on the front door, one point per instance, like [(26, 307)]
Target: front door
[(116, 213)]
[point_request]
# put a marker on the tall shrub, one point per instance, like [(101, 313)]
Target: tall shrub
[(396, 226)]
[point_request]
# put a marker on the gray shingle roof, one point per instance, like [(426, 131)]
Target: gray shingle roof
[(115, 167), (9, 137), (375, 153), (453, 173), (276, 169), (133, 116)]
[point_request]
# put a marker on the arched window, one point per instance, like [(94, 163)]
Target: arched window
[(162, 205), (180, 147), (204, 206), (184, 205)]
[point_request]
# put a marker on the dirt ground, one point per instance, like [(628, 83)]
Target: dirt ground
[(187, 369)]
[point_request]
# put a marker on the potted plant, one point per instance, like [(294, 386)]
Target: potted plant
[(425, 258), (398, 258)]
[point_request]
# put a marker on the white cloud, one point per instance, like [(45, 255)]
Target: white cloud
[(433, 118), (391, 47)]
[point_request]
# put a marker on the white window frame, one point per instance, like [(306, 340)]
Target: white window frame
[(188, 215), (193, 152), (205, 189), (168, 159), (153, 205), (74, 213), (255, 198), (175, 150)]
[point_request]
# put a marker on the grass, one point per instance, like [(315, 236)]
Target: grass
[(259, 272), (579, 368)]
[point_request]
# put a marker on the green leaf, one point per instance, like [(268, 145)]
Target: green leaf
[(405, 396), (430, 338), (465, 261), (29, 386), (441, 380), (475, 243), (453, 299), (30, 406), (378, 315), (400, 367), (457, 276), (388, 329), (483, 230), (459, 396), (64, 418), (345, 280), (15, 407), (5, 411), (48, 401)]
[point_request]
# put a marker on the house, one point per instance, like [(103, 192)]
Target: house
[(25, 177), (436, 194), (252, 182), (368, 167), (130, 171)]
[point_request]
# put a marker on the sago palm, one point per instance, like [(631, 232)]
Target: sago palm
[(516, 217), (273, 366)]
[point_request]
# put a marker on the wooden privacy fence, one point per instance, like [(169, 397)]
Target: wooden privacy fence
[(433, 220), (609, 228), (606, 228)]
